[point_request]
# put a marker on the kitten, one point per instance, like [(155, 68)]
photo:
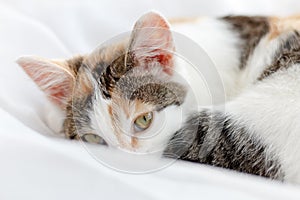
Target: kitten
[(127, 91)]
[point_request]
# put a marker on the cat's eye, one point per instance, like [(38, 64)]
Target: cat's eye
[(92, 138), (143, 122)]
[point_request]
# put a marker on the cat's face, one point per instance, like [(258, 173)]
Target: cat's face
[(126, 92)]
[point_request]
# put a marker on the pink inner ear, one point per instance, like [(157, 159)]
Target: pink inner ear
[(152, 40), (52, 78), (166, 60), (58, 93)]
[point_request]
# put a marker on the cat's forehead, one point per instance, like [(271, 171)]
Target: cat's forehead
[(130, 109), (147, 89), (106, 54), (118, 74)]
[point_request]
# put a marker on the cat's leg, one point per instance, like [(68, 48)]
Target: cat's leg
[(221, 140), (259, 131)]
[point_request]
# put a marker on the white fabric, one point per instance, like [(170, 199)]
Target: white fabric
[(34, 166)]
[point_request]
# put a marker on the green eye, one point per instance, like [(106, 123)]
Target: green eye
[(92, 138), (143, 122)]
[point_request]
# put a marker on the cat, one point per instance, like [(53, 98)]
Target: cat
[(129, 90)]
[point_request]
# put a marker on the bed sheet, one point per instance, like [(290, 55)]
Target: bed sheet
[(36, 165)]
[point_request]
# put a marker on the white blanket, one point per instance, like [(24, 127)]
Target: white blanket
[(36, 166)]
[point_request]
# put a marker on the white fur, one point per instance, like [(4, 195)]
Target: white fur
[(164, 124), (271, 108), (219, 42)]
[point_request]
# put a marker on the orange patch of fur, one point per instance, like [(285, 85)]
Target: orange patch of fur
[(279, 26), (139, 107), (85, 84), (182, 20), (131, 112), (110, 110), (134, 142), (142, 108), (117, 132)]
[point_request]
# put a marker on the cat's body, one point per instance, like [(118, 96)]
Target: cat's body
[(257, 130), (264, 93)]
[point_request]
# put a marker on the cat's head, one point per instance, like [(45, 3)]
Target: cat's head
[(126, 92)]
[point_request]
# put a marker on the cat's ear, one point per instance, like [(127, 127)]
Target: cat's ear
[(55, 78), (152, 41)]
